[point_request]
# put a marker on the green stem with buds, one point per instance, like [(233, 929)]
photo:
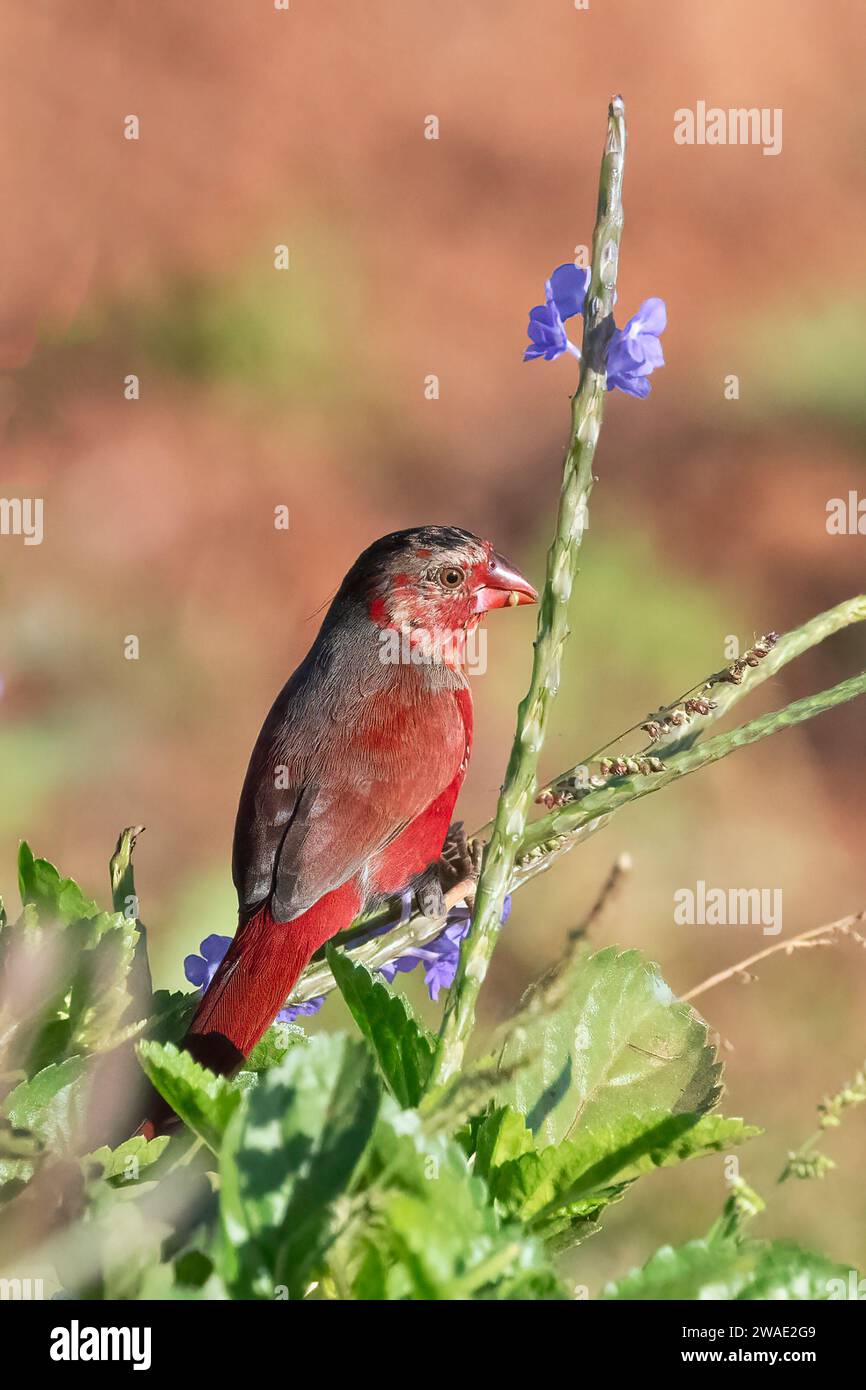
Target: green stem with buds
[(621, 790), (790, 645), (518, 790)]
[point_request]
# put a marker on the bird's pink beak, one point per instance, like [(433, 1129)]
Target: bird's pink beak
[(502, 586)]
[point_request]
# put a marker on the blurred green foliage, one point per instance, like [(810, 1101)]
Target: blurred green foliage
[(341, 1173), (807, 356)]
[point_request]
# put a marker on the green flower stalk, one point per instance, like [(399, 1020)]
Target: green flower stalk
[(808, 1161), (519, 788), (621, 790)]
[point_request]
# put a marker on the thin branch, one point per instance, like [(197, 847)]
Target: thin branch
[(789, 646), (725, 695), (619, 791), (815, 936), (540, 988), (620, 869), (516, 798)]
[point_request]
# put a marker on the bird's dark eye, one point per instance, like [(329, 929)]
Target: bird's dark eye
[(451, 576)]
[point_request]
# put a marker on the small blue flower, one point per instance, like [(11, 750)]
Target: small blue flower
[(441, 956), (309, 1006), (569, 284), (200, 970), (635, 351), (565, 292), (632, 352)]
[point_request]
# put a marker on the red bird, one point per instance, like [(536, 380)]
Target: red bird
[(352, 782)]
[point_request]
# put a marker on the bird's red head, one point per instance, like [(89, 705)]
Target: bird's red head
[(439, 579)]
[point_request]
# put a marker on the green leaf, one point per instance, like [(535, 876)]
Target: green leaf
[(535, 1185), (501, 1135), (606, 1041), (204, 1101), (48, 1042), (465, 1098), (121, 872), (667, 1140), (81, 958), (171, 1013), (733, 1270), (35, 1031), (51, 1104), (100, 997), (404, 1048), (787, 1271), (116, 1246), (125, 1161), (287, 1156), (435, 1234), (53, 896), (270, 1050)]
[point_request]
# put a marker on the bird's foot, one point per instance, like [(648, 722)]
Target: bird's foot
[(460, 859), (459, 862), (429, 893)]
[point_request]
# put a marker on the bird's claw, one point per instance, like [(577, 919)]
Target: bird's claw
[(460, 859), (429, 893)]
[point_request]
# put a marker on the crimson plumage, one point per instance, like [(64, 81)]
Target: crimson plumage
[(352, 781)]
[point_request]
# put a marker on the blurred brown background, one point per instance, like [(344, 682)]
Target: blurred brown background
[(306, 388)]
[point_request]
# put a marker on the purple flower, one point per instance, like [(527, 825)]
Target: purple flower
[(632, 352), (569, 284), (309, 1006), (565, 292), (200, 970), (441, 956), (635, 351)]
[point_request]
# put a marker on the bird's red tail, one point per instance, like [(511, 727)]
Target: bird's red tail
[(249, 988), (257, 974)]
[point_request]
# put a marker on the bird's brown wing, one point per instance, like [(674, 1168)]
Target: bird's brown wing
[(307, 822)]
